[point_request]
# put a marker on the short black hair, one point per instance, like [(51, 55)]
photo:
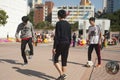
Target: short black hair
[(92, 19), (25, 19), (62, 13)]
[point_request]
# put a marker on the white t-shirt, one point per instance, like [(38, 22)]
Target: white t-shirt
[(94, 32)]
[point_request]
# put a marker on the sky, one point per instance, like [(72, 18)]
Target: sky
[(96, 3)]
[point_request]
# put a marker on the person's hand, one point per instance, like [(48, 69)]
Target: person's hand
[(54, 51), (18, 40), (100, 43)]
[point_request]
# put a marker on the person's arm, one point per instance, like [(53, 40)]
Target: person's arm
[(89, 35), (17, 33), (56, 36), (57, 33)]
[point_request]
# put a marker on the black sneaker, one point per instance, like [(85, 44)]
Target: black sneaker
[(25, 64), (62, 77)]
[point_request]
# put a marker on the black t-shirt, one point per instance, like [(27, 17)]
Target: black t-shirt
[(62, 33)]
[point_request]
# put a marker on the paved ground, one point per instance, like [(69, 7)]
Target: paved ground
[(40, 67)]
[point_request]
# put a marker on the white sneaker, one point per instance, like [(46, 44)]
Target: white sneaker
[(89, 64)]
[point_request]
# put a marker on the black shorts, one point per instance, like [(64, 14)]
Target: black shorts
[(63, 50)]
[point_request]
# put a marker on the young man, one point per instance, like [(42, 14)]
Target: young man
[(62, 42), (27, 34), (94, 40)]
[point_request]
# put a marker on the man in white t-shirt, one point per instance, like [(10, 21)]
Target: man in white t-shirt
[(94, 40)]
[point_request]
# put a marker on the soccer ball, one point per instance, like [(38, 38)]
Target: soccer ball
[(89, 64), (112, 67), (27, 52)]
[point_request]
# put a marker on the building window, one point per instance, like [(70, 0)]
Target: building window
[(64, 7), (88, 7), (81, 7), (75, 7), (70, 7)]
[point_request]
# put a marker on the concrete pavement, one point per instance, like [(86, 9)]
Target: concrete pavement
[(40, 67)]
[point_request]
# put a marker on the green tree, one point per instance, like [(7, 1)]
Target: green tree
[(44, 25), (74, 26), (30, 16), (3, 17), (115, 20)]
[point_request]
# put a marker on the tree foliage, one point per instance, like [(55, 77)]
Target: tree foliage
[(115, 20), (3, 17), (30, 16), (44, 25), (74, 26)]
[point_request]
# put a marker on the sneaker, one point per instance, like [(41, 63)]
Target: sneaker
[(86, 65), (89, 64), (62, 77), (25, 64), (99, 65), (30, 57)]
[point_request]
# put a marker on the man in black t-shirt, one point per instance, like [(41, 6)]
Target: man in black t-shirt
[(62, 42)]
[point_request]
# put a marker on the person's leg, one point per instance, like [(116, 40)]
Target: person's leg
[(73, 43), (30, 46), (56, 62), (23, 46), (64, 57), (90, 49), (97, 49), (59, 68)]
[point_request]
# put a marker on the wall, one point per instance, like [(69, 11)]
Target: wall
[(15, 10)]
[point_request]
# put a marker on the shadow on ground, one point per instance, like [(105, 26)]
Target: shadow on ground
[(110, 60), (10, 61), (71, 62), (34, 73)]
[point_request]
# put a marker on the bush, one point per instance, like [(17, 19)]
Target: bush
[(74, 26), (3, 17), (44, 25)]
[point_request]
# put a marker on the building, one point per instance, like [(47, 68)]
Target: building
[(15, 9), (34, 2), (39, 13), (43, 12), (30, 3), (85, 2), (111, 5), (74, 13), (116, 5), (49, 5), (104, 5)]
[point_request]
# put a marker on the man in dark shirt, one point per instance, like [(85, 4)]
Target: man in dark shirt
[(62, 42)]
